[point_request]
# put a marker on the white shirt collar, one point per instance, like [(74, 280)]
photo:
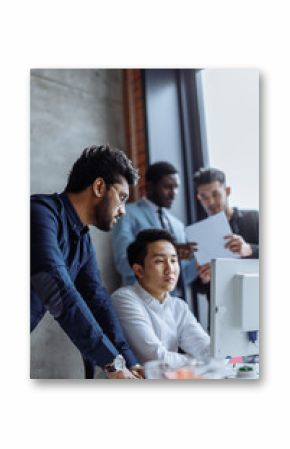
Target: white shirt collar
[(148, 298)]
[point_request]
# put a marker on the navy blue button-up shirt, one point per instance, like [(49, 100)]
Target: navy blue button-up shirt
[(65, 280)]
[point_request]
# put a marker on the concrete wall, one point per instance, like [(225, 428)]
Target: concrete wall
[(70, 109)]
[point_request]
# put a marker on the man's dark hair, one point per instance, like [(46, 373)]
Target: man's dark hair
[(156, 171), (100, 162), (208, 175), (137, 250)]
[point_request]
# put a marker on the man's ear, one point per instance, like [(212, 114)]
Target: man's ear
[(228, 191), (138, 270), (99, 187)]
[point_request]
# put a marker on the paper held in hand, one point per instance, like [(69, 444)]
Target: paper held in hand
[(209, 235)]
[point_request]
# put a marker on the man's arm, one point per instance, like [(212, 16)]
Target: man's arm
[(185, 251), (189, 270), (193, 339), (122, 236), (238, 245), (99, 302), (255, 251), (245, 239), (255, 239), (52, 283)]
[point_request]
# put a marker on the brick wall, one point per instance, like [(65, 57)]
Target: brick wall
[(135, 130)]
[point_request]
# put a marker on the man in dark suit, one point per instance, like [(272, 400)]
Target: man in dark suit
[(213, 194)]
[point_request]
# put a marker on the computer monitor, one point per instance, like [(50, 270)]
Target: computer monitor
[(234, 314)]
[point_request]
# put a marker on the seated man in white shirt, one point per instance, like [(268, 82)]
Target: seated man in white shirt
[(155, 323)]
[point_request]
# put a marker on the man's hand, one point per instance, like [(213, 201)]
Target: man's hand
[(237, 244), (124, 374), (138, 371), (204, 272), (186, 251)]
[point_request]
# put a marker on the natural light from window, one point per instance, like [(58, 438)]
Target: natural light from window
[(229, 100)]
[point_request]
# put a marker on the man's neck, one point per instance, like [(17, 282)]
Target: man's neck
[(229, 212), (79, 203), (153, 200), (159, 296)]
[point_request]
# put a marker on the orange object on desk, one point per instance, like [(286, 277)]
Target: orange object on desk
[(181, 374)]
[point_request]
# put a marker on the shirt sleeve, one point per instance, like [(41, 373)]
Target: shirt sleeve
[(51, 281), (122, 236), (140, 333), (189, 269), (255, 249), (100, 303), (200, 287), (255, 242), (192, 338)]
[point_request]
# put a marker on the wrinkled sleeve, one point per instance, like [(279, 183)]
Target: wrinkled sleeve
[(100, 303), (122, 236), (52, 283), (188, 267), (189, 270), (140, 333), (192, 338)]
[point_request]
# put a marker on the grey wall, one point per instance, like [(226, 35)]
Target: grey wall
[(70, 109)]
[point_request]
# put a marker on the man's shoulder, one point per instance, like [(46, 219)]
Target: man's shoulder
[(45, 203), (136, 206), (178, 303), (137, 212), (175, 219), (246, 213), (44, 198), (122, 291), (124, 295)]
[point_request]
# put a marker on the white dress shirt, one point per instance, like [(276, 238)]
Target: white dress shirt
[(156, 330)]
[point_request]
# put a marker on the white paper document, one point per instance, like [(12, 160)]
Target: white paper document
[(209, 235)]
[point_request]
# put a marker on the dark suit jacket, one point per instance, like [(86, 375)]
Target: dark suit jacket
[(246, 224)]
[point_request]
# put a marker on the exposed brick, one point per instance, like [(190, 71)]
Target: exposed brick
[(134, 118)]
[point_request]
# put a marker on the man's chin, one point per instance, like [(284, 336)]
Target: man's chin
[(214, 212), (170, 286)]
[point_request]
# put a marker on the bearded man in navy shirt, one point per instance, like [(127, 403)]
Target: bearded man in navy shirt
[(65, 279)]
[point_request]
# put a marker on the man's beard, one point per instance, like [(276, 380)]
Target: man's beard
[(104, 222)]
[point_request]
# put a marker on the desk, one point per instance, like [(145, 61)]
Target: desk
[(213, 369), (237, 371)]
